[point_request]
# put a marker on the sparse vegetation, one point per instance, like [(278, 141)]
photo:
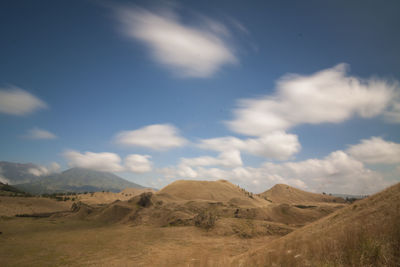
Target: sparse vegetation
[(205, 219), (354, 245), (364, 234), (189, 217), (145, 199)]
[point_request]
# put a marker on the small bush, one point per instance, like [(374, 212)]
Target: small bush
[(205, 219), (145, 199)]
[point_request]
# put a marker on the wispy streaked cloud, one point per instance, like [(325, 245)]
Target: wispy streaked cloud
[(392, 115), (16, 101), (37, 133), (156, 136), (187, 50), (328, 96)]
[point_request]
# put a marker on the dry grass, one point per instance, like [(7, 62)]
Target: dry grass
[(98, 198), (67, 242), (366, 233), (221, 191), (125, 233), (11, 206), (282, 193), (356, 245)]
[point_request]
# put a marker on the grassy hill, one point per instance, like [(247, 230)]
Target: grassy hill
[(219, 206), (282, 193), (77, 180), (215, 191), (366, 233), (220, 190)]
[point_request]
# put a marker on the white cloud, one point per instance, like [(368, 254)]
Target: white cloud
[(230, 158), (2, 178), (276, 145), (37, 133), (188, 51), (156, 136), (43, 170), (16, 101), (108, 162), (336, 173), (138, 163), (376, 150), (328, 96)]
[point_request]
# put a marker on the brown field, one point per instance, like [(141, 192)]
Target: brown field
[(49, 242), (199, 223), (11, 206), (98, 198)]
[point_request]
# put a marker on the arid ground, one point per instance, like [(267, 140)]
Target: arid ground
[(199, 223)]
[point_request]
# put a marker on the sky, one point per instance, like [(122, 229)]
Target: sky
[(304, 93)]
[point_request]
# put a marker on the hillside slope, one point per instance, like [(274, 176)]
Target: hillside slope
[(99, 198), (219, 206), (366, 233), (282, 193)]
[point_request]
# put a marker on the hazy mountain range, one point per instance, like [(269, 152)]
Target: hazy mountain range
[(72, 180)]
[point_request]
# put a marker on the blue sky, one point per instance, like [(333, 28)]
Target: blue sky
[(257, 93)]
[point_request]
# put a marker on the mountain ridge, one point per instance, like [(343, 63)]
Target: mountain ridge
[(78, 180), (20, 176)]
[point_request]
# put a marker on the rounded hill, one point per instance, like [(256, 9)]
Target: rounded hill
[(282, 193), (221, 191)]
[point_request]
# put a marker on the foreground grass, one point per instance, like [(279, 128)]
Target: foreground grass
[(57, 242), (366, 233), (358, 245)]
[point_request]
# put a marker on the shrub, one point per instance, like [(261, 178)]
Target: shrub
[(205, 219), (145, 199)]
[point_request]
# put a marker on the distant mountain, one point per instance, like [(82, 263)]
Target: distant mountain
[(16, 173), (21, 176), (77, 180)]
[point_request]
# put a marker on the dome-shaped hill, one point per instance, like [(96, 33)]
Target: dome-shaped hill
[(221, 191), (282, 193)]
